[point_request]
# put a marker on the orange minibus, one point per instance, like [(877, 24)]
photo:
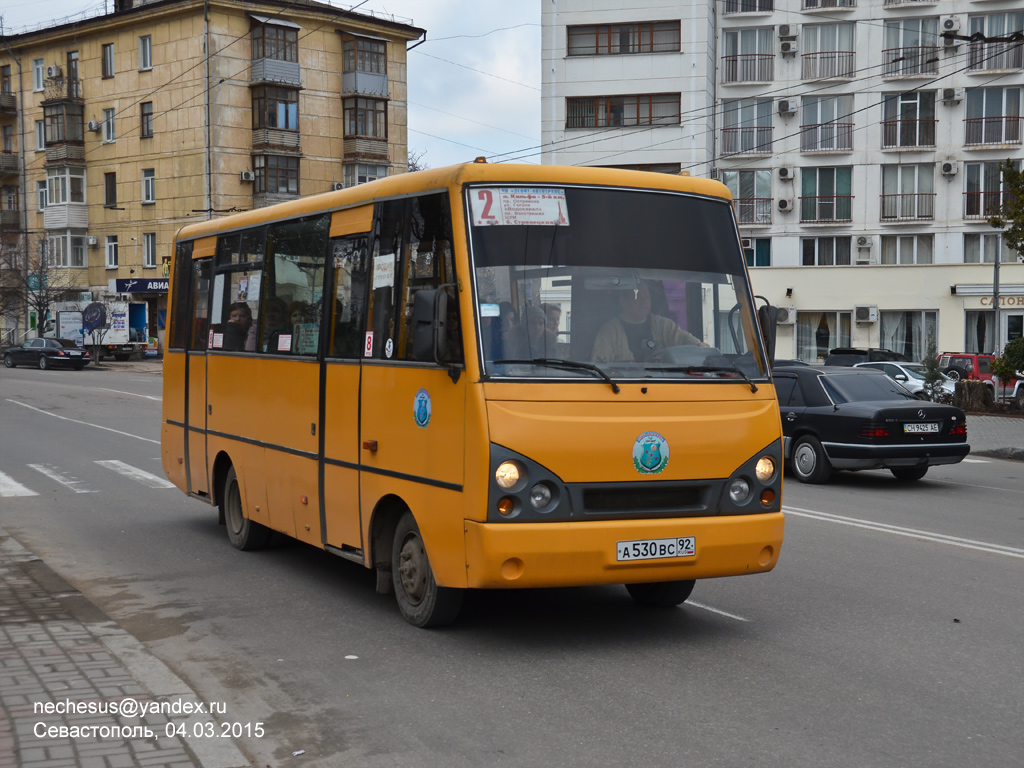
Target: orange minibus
[(482, 376)]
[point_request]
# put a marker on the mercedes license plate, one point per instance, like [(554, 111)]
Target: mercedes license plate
[(75, 353), (656, 549), (930, 426)]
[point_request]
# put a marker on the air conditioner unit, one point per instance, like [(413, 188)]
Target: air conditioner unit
[(865, 313), (53, 71), (787, 30), (786, 204), (950, 41), (92, 240), (716, 174), (948, 167), (865, 259), (789, 46), (787, 107), (95, 125), (747, 243), (952, 95), (787, 174), (247, 176), (785, 315), (864, 241), (338, 185), (951, 24)]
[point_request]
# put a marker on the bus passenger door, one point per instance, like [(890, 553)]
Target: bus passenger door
[(195, 414)]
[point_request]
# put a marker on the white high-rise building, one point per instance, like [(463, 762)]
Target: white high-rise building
[(861, 140)]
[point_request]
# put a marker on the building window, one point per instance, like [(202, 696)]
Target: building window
[(751, 195), (109, 190), (5, 79), (673, 168), (63, 123), (985, 192), (279, 108), (818, 332), (7, 139), (618, 39), (148, 185), (911, 48), (749, 55), (825, 251), (149, 249), (111, 250), (980, 331), (107, 59), (619, 111), (748, 6), (366, 117), (828, 51), (65, 185), (907, 249), (908, 120), (362, 55), (758, 251), (276, 174), (827, 124), (982, 249), (1004, 54), (109, 132), (747, 126), (909, 333), (145, 52), (993, 116), (41, 192), (40, 136), (826, 196), (56, 251), (908, 192), (270, 42), (38, 74), (360, 173), (146, 120)]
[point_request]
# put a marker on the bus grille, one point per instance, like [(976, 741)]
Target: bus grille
[(677, 499)]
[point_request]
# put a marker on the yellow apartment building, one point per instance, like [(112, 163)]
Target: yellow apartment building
[(118, 130)]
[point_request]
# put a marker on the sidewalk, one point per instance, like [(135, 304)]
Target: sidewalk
[(58, 652), (1000, 437)]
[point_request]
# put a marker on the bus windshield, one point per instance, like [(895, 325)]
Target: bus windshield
[(639, 284)]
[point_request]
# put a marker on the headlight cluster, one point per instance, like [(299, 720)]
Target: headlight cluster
[(751, 479), (520, 491)]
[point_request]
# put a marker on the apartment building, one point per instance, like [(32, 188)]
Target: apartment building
[(861, 140), (118, 130)]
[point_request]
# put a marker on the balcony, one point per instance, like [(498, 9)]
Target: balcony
[(264, 199), (826, 137), (66, 216), (275, 71), (992, 130), (822, 5), (908, 134), (364, 147), (826, 209), (747, 6), (753, 210), (748, 68), (8, 163), (986, 57), (62, 89), (752, 140), (981, 205), (8, 104), (374, 84), (828, 65), (915, 61), (65, 152), (908, 207), (273, 138), (10, 221), (889, 3)]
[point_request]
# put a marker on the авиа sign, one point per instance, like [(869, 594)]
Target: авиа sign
[(141, 286)]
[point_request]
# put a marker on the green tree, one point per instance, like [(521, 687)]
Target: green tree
[(1009, 215), (1011, 361), (932, 376)]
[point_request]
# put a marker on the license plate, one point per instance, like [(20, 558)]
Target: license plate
[(74, 354), (930, 426), (656, 549)]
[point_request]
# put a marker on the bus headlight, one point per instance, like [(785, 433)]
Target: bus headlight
[(540, 496), (739, 490), (765, 469), (509, 474)]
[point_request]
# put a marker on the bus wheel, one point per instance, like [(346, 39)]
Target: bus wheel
[(661, 594), (243, 533), (421, 601)]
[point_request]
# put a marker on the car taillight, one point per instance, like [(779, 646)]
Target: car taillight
[(60, 353), (959, 429), (873, 431)]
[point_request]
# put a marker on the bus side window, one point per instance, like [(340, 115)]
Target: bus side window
[(383, 268), (349, 306), (294, 290), (181, 285), (200, 304)]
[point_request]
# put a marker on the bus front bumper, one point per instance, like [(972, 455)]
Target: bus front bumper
[(511, 555)]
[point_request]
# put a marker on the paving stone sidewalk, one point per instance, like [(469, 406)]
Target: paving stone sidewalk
[(70, 679), (1000, 437)]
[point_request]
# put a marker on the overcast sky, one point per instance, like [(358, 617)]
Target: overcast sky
[(474, 86)]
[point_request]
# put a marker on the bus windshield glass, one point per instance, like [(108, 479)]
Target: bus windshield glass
[(638, 284)]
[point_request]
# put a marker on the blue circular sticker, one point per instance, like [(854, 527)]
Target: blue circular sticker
[(650, 453), (421, 408)]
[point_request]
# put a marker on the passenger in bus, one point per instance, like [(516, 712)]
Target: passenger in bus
[(533, 339), (239, 331), (635, 334), (275, 323)]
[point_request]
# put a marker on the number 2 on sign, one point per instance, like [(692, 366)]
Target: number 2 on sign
[(488, 197)]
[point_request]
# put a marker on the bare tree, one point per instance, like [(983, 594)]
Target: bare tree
[(416, 162), (35, 288)]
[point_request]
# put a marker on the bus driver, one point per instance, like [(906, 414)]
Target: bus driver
[(635, 334)]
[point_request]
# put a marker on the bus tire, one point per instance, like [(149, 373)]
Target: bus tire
[(243, 533), (421, 601), (661, 594)]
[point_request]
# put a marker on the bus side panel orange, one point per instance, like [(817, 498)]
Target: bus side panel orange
[(196, 436), (172, 437), (341, 454), (352, 221)]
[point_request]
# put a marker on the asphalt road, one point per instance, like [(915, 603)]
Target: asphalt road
[(889, 634)]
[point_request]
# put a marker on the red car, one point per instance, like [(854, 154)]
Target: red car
[(960, 365)]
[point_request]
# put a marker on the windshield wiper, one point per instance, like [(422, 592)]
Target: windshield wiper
[(571, 365), (706, 369)]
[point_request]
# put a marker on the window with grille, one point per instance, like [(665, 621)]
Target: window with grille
[(622, 111), (619, 39)]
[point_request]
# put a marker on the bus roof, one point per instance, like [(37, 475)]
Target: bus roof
[(453, 176)]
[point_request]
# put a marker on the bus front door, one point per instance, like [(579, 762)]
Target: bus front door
[(195, 415)]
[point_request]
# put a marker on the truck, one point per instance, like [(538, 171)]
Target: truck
[(118, 328)]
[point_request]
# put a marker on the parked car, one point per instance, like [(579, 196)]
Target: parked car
[(852, 356), (777, 363), (911, 376), (839, 418), (46, 353), (963, 366)]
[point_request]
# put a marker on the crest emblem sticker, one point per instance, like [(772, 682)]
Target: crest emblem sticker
[(421, 408), (650, 453)]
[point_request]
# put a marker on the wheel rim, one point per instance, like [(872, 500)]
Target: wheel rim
[(42, 362), (8, 361), (804, 459), (413, 568), (233, 509)]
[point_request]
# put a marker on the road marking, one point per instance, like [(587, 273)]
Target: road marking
[(714, 610), (976, 461), (11, 487), (71, 482), (939, 538), (975, 485), (136, 474), (133, 394), (86, 423)]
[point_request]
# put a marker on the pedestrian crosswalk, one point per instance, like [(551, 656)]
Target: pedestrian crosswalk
[(48, 475)]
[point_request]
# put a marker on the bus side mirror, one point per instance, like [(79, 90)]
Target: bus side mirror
[(429, 325), (769, 327)]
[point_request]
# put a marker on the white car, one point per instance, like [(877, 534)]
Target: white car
[(910, 375)]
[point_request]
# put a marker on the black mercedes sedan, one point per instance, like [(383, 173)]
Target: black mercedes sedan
[(47, 353), (838, 418)]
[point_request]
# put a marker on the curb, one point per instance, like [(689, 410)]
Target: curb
[(1012, 454)]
